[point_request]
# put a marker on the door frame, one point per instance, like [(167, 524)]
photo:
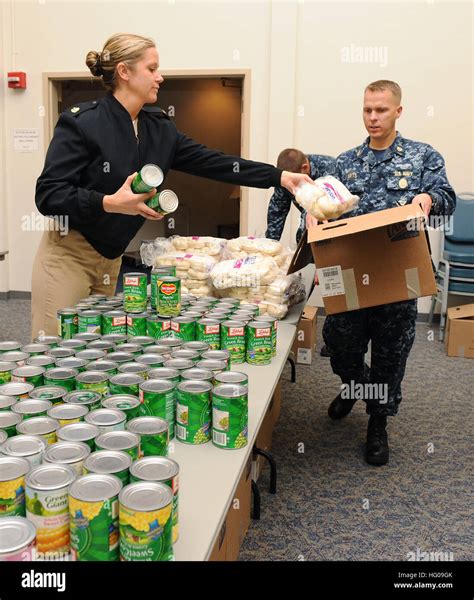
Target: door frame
[(51, 97)]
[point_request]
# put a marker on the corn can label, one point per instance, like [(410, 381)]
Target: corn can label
[(160, 404), (94, 529), (136, 325), (146, 536), (230, 421), (211, 334), (259, 345), (168, 301), (233, 340), (193, 417), (12, 497), (135, 292), (48, 511)]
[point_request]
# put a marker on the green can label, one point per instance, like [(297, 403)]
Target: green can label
[(135, 292), (193, 414), (259, 345), (209, 333), (160, 404), (5, 377), (12, 497), (101, 388), (69, 384), (35, 380), (183, 330), (229, 419), (146, 536), (233, 340), (114, 324), (115, 388), (158, 328), (154, 444), (156, 278), (68, 324), (94, 530), (168, 301), (137, 324), (90, 322)]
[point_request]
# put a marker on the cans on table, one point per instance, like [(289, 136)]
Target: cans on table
[(43, 427), (233, 340), (259, 343), (30, 407), (103, 366), (54, 393), (90, 321), (128, 404), (68, 323), (234, 377), (150, 176), (158, 398), (72, 454), (120, 440), (17, 539), (6, 402), (160, 469), (230, 416), (209, 331), (93, 381), (109, 462), (124, 383), (28, 374), (47, 488), (134, 368), (61, 377), (114, 321), (197, 374), (79, 432), (137, 324), (107, 419), (84, 398), (65, 414), (42, 360), (154, 435), (168, 298), (9, 422), (16, 389), (172, 375), (274, 324), (29, 447), (72, 362), (184, 328), (93, 512), (6, 369), (193, 412), (146, 522), (12, 486), (135, 292), (216, 366)]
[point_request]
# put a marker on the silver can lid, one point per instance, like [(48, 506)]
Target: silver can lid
[(121, 401), (198, 374), (231, 323), (61, 373), (9, 346), (185, 354), (28, 371), (117, 440), (154, 468), (31, 406), (66, 452), (7, 401), (40, 360), (67, 411), (141, 340), (14, 356), (72, 344), (159, 386), (212, 365), (87, 337), (126, 379), (16, 388), (232, 377), (120, 357), (216, 355), (150, 359), (12, 467), (101, 345), (168, 200), (152, 176), (261, 325), (130, 348), (3, 436), (147, 425), (133, 368), (23, 445), (48, 392), (230, 390), (16, 533), (92, 377), (171, 342), (196, 346), (180, 364), (71, 362), (84, 397), (163, 373), (145, 496), (38, 426), (9, 419), (78, 432), (105, 416), (7, 366), (50, 476), (95, 488), (157, 349), (195, 386), (102, 365), (108, 461), (91, 354), (60, 352)]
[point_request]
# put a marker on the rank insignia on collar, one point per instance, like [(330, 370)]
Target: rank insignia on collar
[(403, 183), (75, 109)]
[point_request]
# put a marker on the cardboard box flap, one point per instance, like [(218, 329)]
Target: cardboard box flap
[(343, 227), (309, 312), (461, 312)]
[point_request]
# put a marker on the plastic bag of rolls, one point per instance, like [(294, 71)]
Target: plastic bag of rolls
[(193, 270)]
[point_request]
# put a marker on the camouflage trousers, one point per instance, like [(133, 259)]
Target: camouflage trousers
[(391, 330)]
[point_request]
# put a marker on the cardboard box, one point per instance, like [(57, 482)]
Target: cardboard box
[(459, 339), (265, 434), (372, 259), (304, 345), (219, 551), (238, 516)]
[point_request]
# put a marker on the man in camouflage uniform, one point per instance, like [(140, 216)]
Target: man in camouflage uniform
[(295, 161), (386, 171)]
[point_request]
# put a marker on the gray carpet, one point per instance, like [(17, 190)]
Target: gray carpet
[(330, 504)]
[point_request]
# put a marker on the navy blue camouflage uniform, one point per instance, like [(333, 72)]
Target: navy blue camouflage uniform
[(280, 202), (384, 180)]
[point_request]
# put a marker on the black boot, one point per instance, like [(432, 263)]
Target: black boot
[(377, 441), (324, 351), (340, 407)]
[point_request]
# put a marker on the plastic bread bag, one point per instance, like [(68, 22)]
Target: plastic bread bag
[(272, 309), (327, 198), (252, 271), (185, 261), (201, 244), (151, 249), (253, 246)]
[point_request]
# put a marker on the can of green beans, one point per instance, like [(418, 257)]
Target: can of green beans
[(90, 321), (154, 435), (65, 414), (150, 176), (158, 327), (93, 381), (183, 328), (130, 405), (6, 369), (135, 368), (119, 440), (274, 323), (135, 292), (73, 344), (72, 362), (48, 362), (68, 323), (108, 367), (233, 340), (209, 331), (27, 374), (158, 398), (79, 432), (125, 383), (259, 343), (168, 300), (165, 373), (109, 462), (84, 398), (114, 321), (61, 377), (230, 416), (32, 408), (6, 402), (197, 374), (156, 277), (193, 412), (137, 324), (54, 393), (234, 377)]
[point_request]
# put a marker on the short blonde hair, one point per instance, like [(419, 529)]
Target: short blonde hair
[(121, 47), (386, 84)]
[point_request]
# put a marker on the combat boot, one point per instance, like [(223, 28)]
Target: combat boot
[(340, 407), (377, 449)]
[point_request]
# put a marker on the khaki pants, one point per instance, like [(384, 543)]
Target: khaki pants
[(66, 269)]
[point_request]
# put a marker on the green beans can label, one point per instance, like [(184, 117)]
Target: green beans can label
[(114, 323), (135, 292), (146, 536), (90, 321), (137, 324), (193, 413), (101, 387), (68, 323), (168, 301), (233, 340), (158, 400), (259, 344), (156, 277), (230, 416), (158, 328), (183, 329), (209, 333), (94, 529)]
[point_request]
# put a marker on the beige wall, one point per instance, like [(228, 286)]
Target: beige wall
[(303, 93)]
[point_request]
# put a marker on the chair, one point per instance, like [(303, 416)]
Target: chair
[(455, 273)]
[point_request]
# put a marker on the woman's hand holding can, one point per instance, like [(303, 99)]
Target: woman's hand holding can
[(126, 202)]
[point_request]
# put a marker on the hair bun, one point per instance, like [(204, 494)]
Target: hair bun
[(93, 62)]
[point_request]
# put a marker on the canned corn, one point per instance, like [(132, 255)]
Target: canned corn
[(12, 486)]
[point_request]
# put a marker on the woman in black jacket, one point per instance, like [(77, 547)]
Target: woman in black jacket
[(96, 150)]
